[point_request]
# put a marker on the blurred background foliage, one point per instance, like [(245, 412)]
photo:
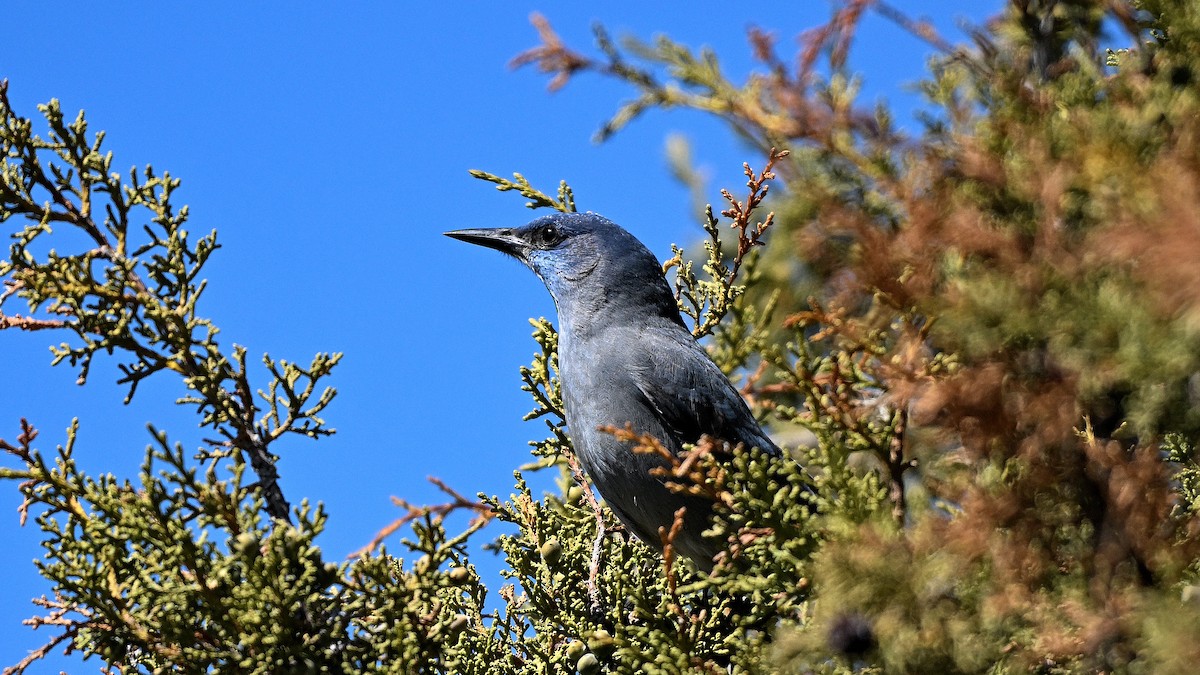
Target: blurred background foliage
[(980, 342)]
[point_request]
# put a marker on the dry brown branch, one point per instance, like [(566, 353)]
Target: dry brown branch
[(23, 451), (686, 472), (28, 323), (483, 514), (667, 536), (551, 57), (750, 232), (58, 618), (920, 28), (601, 529)]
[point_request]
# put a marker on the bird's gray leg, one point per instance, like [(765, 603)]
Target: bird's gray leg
[(601, 531), (594, 570)]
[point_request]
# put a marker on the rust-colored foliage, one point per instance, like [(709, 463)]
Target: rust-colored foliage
[(1040, 239)]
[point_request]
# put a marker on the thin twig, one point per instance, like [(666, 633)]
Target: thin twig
[(601, 529), (483, 514), (668, 536)]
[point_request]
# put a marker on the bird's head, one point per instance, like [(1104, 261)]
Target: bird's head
[(582, 258)]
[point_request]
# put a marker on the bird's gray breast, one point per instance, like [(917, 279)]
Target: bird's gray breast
[(601, 379), (600, 391)]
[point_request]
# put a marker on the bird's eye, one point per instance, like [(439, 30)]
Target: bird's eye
[(547, 236)]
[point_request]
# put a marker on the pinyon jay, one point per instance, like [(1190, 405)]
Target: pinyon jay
[(627, 358)]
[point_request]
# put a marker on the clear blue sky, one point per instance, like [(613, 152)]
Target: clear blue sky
[(329, 143)]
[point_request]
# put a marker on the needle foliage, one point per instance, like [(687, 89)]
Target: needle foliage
[(980, 342)]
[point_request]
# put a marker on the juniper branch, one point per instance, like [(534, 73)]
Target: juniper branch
[(132, 295)]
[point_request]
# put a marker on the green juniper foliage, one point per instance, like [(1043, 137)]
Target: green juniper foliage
[(1013, 296), (980, 343)]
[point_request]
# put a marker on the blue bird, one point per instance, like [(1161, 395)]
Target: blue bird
[(627, 358)]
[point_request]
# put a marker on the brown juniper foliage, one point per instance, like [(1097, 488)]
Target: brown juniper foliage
[(989, 332), (1019, 285)]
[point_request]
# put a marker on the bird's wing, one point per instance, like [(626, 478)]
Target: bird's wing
[(690, 395)]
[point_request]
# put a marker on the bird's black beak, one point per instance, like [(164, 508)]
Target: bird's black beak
[(502, 239)]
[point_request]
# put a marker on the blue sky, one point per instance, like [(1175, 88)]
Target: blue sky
[(329, 144)]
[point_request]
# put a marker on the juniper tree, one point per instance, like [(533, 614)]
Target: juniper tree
[(987, 328), (1012, 284)]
